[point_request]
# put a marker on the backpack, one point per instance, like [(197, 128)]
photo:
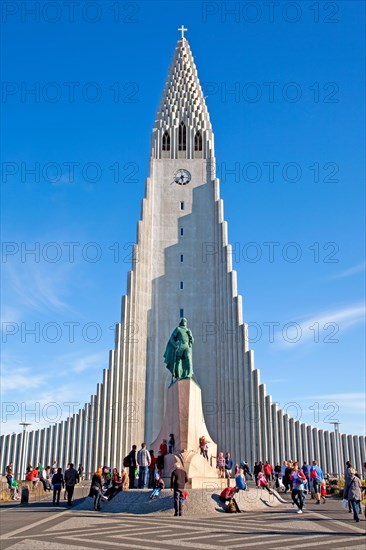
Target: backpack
[(127, 461), (313, 474), (301, 476), (230, 507)]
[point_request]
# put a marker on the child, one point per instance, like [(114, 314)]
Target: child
[(163, 448), (205, 450), (203, 445), (158, 486), (240, 480), (171, 444), (220, 464), (262, 482)]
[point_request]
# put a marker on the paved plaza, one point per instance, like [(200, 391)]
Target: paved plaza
[(40, 526)]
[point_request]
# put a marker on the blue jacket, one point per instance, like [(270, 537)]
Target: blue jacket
[(228, 464)]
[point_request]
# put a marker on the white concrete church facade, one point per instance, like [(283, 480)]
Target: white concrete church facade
[(182, 268)]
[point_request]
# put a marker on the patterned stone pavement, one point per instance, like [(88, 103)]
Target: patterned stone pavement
[(42, 527)]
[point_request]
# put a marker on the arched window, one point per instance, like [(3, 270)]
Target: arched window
[(182, 138), (166, 141), (198, 141)]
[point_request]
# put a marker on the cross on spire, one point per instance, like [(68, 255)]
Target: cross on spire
[(182, 30)]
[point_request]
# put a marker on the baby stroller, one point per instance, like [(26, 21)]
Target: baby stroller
[(279, 485)]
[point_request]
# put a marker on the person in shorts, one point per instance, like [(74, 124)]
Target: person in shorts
[(316, 476)]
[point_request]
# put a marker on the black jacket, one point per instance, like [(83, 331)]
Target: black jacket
[(71, 476), (178, 479), (58, 479), (132, 455)]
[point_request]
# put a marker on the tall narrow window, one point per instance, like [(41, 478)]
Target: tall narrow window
[(181, 231), (181, 285), (166, 141), (182, 205), (182, 138), (181, 257), (198, 141), (181, 312)]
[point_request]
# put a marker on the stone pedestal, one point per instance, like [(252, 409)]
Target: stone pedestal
[(184, 418)]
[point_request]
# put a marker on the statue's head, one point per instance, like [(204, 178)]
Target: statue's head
[(183, 322)]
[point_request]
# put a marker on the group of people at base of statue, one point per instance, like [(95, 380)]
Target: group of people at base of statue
[(289, 476), (143, 465), (107, 483)]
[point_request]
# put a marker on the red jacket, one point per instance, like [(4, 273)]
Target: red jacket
[(228, 493), (32, 475)]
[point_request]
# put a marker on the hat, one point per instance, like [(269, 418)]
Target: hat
[(157, 476)]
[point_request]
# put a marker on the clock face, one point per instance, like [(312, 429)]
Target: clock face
[(182, 177)]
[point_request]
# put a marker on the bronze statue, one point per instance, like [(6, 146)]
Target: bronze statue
[(178, 353)]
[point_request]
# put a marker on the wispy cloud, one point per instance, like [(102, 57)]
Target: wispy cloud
[(11, 314), (37, 286), (359, 268), (340, 319), (15, 378), (43, 396), (80, 363)]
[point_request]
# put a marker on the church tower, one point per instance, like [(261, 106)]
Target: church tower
[(181, 268)]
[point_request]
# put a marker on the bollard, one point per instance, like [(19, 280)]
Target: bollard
[(25, 495)]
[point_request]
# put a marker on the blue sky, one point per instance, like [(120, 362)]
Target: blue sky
[(285, 95)]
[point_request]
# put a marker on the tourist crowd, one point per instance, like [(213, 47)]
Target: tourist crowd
[(143, 469)]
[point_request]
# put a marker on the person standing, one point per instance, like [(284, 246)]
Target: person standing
[(353, 493), (228, 465), (71, 478), (96, 491), (317, 476), (143, 460), (347, 476), (220, 464), (287, 477), (277, 471), (152, 469), (267, 470), (58, 483), (171, 444), (306, 469), (298, 479), (177, 482), (132, 466), (81, 472), (257, 468)]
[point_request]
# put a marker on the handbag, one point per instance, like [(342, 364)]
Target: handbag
[(345, 504)]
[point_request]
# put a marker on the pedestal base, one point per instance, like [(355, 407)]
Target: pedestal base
[(184, 418)]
